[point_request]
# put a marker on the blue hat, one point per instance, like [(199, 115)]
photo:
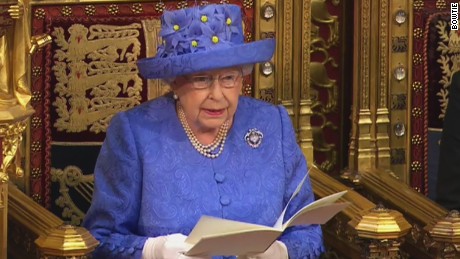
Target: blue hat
[(203, 38)]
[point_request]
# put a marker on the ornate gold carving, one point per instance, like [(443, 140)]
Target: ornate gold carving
[(72, 177), (38, 42), (305, 112), (3, 217), (365, 41), (12, 137), (14, 46), (382, 113), (363, 149), (445, 235), (105, 78), (383, 249), (14, 101), (151, 31), (318, 78), (398, 101), (416, 233), (398, 156), (267, 35), (286, 79), (78, 242), (381, 229), (383, 58), (381, 223), (320, 14), (267, 95), (399, 44)]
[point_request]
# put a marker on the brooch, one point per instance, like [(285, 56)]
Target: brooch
[(254, 138)]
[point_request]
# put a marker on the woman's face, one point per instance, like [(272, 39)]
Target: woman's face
[(209, 98)]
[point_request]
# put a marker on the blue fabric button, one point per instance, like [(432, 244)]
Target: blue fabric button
[(224, 200), (219, 177), (121, 249), (130, 250)]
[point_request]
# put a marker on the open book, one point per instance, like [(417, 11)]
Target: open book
[(215, 236)]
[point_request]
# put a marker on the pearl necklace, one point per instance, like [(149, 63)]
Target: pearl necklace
[(209, 150)]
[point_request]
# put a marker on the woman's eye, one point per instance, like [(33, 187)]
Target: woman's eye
[(200, 79), (229, 77)]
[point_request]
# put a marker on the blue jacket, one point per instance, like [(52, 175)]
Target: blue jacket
[(150, 181)]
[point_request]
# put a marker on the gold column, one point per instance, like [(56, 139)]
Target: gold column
[(370, 141), (13, 112), (15, 46), (305, 112), (362, 150), (284, 57), (12, 124), (3, 218), (293, 60), (382, 85), (266, 17)]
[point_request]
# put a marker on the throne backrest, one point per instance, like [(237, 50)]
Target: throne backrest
[(85, 76)]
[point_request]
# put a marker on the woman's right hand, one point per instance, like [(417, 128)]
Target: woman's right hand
[(167, 247)]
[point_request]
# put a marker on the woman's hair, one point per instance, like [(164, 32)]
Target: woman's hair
[(168, 81), (247, 69)]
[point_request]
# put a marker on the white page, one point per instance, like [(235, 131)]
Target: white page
[(279, 221), (210, 226), (327, 201)]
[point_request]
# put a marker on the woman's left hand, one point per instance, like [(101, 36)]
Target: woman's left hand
[(277, 250)]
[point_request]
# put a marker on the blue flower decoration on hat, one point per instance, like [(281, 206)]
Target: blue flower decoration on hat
[(203, 38)]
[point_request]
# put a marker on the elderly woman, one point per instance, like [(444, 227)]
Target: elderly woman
[(201, 150)]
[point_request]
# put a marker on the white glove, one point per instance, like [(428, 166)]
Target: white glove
[(167, 247), (277, 250)]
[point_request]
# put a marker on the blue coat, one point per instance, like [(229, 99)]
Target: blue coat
[(150, 181)]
